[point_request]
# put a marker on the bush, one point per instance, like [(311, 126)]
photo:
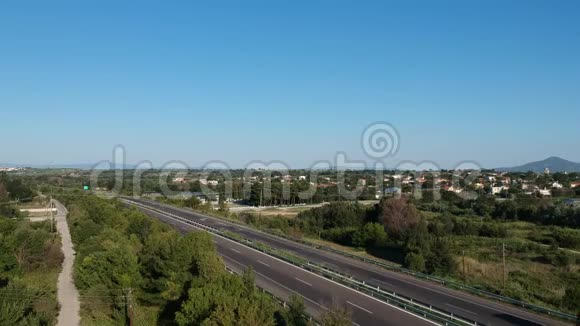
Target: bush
[(371, 235), (571, 299), (567, 238), (493, 231), (441, 261), (342, 236), (415, 262)]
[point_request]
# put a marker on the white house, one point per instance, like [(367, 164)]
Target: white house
[(545, 192), (497, 190), (557, 185)]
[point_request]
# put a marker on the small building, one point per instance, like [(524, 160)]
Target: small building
[(545, 192), (498, 190), (393, 191), (152, 195), (572, 202)]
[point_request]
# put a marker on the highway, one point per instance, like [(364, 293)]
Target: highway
[(283, 279), (461, 304)]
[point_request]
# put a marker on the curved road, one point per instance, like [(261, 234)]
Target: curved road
[(283, 279), (459, 303)]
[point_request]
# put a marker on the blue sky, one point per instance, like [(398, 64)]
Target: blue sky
[(497, 82)]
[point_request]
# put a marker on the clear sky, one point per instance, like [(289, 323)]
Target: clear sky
[(497, 82)]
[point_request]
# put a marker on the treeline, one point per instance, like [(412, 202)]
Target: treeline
[(395, 230), (178, 280), (13, 190), (30, 259), (544, 211), (392, 224), (391, 227)]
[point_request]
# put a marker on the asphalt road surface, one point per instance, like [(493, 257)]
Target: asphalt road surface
[(283, 280), (461, 304)]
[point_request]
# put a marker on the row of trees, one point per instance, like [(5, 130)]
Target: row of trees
[(395, 230), (181, 276), (393, 223), (544, 211), (27, 252), (120, 248)]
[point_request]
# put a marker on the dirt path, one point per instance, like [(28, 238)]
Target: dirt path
[(68, 296)]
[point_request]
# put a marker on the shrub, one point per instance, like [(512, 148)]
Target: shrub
[(415, 262)]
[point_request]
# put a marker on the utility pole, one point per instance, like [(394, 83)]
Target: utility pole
[(129, 307), (261, 194), (464, 274), (51, 216), (503, 255)]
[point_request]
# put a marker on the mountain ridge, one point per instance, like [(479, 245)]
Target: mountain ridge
[(553, 163)]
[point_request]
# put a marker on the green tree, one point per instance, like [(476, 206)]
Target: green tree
[(441, 260), (224, 301), (116, 268), (4, 196), (415, 261), (370, 235), (295, 315), (336, 316)]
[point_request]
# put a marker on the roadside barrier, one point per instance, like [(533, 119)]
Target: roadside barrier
[(441, 281), (412, 306)]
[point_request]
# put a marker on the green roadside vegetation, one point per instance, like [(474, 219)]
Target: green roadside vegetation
[(462, 241), (128, 266), (173, 279), (30, 261)]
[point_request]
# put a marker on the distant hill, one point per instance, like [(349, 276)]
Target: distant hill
[(555, 164), (79, 166)]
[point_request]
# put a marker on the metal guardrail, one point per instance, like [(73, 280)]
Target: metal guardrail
[(448, 283), (451, 284), (412, 306), (472, 290)]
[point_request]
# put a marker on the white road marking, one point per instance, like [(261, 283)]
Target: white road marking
[(382, 282), (322, 277), (303, 281), (234, 250), (467, 311), (361, 308), (281, 285), (261, 262)]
